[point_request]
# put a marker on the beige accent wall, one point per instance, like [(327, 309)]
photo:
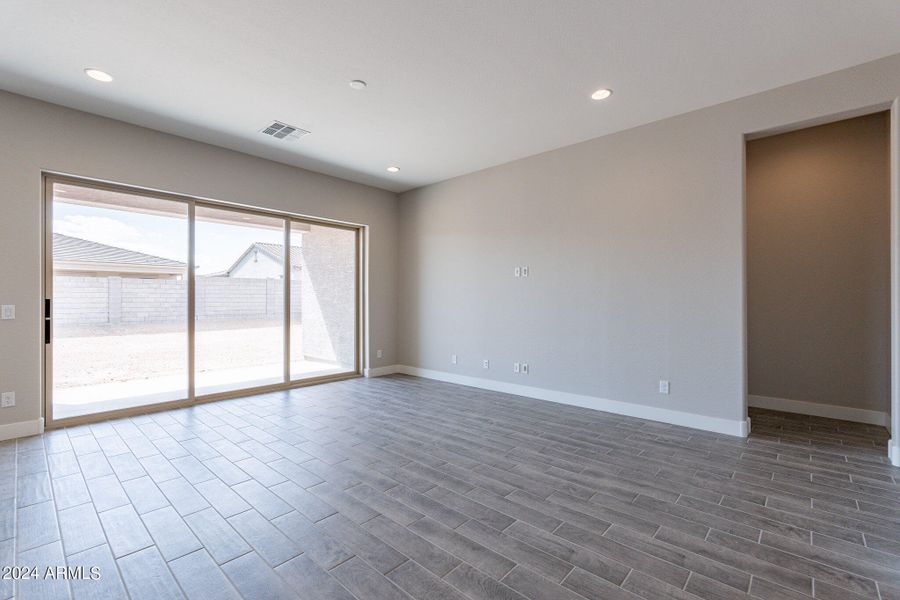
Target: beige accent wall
[(818, 264), (635, 243), (36, 136)]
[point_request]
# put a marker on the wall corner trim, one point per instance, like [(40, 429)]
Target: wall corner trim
[(894, 451), (12, 431), (381, 371), (739, 428), (815, 409)]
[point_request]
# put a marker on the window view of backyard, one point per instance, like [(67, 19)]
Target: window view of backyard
[(120, 309)]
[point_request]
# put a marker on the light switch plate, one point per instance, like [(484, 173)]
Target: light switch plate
[(663, 386), (7, 399), (8, 312)]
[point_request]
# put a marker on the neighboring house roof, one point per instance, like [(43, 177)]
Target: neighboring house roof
[(276, 251), (76, 254)]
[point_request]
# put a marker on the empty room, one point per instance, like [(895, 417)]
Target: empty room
[(464, 300)]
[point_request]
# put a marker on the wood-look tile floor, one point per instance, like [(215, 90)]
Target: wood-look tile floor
[(398, 488)]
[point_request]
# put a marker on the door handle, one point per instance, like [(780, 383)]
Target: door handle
[(47, 318)]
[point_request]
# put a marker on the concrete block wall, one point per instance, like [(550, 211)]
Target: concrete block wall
[(150, 300), (80, 300), (97, 300), (226, 298), (328, 276)]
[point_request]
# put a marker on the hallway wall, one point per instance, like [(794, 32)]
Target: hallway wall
[(818, 264)]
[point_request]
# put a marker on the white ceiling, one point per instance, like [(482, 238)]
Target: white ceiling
[(454, 86)]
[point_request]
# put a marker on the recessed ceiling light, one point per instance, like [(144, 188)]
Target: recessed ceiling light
[(358, 84), (601, 94), (393, 169), (98, 75)]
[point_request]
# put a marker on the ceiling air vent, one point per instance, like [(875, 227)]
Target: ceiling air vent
[(282, 131)]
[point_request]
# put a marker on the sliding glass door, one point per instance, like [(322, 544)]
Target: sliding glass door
[(240, 297), (119, 306), (155, 298)]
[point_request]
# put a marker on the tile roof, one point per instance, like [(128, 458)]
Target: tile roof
[(72, 249), (277, 251)]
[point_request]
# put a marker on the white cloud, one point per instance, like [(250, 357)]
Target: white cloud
[(113, 232), (97, 229)]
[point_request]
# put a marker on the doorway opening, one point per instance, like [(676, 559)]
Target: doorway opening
[(819, 272)]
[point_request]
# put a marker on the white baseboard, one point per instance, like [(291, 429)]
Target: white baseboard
[(894, 451), (381, 371), (739, 428), (802, 407), (11, 431)]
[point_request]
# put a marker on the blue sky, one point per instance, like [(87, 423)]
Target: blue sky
[(218, 245)]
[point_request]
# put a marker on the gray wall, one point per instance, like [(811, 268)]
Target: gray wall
[(36, 136), (635, 243), (635, 248), (818, 264)]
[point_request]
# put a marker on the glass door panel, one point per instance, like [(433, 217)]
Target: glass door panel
[(323, 300), (120, 295), (239, 300), (118, 264)]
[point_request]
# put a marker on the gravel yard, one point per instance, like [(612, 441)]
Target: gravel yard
[(94, 355)]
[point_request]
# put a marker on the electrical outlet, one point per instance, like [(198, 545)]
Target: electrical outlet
[(8, 312), (485, 364), (515, 367), (379, 353), (524, 271), (452, 359), (7, 399), (524, 368), (517, 271), (663, 386)]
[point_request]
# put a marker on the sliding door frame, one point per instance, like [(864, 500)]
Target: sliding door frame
[(192, 202)]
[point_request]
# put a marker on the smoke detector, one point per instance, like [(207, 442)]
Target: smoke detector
[(283, 131)]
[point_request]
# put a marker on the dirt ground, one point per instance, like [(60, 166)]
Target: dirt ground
[(89, 355)]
